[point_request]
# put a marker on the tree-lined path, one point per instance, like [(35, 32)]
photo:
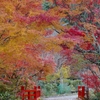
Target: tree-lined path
[(54, 44)]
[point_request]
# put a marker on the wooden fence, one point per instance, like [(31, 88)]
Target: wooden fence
[(30, 94)]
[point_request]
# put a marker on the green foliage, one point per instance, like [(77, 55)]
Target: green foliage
[(96, 5), (64, 88), (80, 62), (98, 95), (65, 21), (46, 5), (83, 16), (14, 86), (58, 88), (49, 89), (73, 6), (4, 87), (75, 83), (97, 24), (7, 92), (94, 96), (64, 73), (8, 96)]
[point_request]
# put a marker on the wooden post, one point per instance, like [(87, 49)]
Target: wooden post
[(22, 92), (39, 91), (35, 93), (29, 97), (87, 93), (81, 92)]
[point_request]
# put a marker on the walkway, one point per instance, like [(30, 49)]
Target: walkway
[(73, 97)]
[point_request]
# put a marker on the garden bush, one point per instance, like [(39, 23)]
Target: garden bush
[(93, 95), (58, 88), (8, 96)]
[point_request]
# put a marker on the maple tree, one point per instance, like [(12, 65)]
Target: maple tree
[(89, 48), (82, 22), (33, 32), (26, 32), (92, 81)]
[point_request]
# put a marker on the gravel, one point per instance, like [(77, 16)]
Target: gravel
[(72, 97)]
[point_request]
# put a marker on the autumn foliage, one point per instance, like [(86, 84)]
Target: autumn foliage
[(33, 31)]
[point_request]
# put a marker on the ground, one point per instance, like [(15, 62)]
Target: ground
[(71, 97)]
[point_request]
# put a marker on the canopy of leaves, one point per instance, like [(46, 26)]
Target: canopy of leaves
[(29, 28)]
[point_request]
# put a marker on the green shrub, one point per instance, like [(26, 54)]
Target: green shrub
[(64, 88), (98, 95), (8, 96), (46, 5), (94, 96), (56, 88), (4, 87)]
